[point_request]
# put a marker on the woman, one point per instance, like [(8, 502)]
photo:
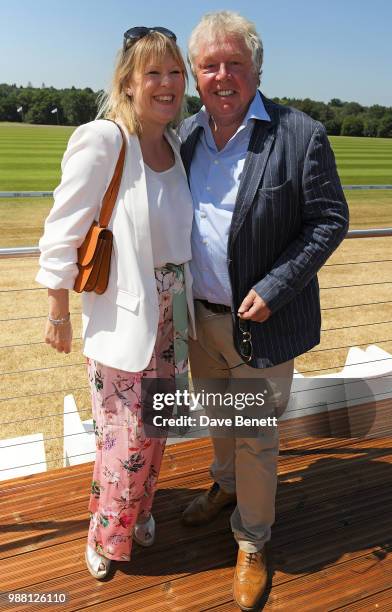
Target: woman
[(128, 331)]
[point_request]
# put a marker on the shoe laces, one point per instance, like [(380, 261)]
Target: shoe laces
[(251, 558)]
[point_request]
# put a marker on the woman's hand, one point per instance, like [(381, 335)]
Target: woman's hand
[(59, 336)]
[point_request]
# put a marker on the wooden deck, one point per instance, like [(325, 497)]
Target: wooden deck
[(330, 549)]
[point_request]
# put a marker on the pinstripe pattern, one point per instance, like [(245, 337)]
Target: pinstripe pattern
[(290, 215)]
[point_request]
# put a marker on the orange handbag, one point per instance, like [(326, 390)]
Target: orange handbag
[(95, 252)]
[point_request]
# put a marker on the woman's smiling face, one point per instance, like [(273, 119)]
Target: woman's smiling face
[(157, 91)]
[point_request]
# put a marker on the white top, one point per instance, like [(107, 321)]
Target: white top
[(171, 213)]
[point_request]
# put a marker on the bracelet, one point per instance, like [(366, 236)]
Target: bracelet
[(60, 321)]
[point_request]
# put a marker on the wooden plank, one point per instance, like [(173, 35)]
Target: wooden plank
[(343, 504), (293, 488), (207, 588), (188, 450), (335, 586), (148, 568), (380, 602), (296, 558), (67, 519), (175, 465), (76, 477), (170, 495)]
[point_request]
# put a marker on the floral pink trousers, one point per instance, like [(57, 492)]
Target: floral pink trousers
[(127, 462)]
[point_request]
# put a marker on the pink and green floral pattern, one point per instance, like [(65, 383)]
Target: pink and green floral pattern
[(127, 462)]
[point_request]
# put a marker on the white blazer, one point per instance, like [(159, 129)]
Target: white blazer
[(119, 326)]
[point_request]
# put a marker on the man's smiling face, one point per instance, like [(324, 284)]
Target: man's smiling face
[(226, 79)]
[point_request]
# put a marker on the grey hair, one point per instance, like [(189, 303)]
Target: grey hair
[(216, 26)]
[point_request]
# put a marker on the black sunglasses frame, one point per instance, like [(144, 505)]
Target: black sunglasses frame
[(138, 32), (246, 340)]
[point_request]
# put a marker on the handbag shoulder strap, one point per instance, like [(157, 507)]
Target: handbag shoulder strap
[(110, 197)]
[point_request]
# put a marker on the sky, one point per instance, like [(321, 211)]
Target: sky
[(320, 49)]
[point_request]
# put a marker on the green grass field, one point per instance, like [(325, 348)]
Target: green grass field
[(363, 161), (30, 158)]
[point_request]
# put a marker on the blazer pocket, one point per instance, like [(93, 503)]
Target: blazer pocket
[(275, 191), (127, 300)]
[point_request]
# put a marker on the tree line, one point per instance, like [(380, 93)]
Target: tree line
[(47, 105), (346, 118), (72, 106)]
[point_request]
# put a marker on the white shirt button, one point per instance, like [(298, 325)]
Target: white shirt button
[(205, 241), (208, 188), (216, 162), (203, 214)]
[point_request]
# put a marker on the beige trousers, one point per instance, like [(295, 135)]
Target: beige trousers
[(246, 465)]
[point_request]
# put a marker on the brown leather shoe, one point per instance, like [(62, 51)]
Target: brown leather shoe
[(207, 506), (250, 578)]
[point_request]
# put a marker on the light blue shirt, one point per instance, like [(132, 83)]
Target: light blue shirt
[(214, 180)]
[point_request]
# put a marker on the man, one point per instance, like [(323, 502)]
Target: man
[(269, 211)]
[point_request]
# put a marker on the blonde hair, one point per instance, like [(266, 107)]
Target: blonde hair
[(117, 104), (216, 27)]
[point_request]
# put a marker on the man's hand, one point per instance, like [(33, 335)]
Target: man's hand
[(254, 308), (59, 336)]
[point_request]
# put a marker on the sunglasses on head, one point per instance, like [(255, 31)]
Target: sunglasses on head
[(138, 32)]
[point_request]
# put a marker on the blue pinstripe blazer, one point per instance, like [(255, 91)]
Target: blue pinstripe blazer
[(290, 215)]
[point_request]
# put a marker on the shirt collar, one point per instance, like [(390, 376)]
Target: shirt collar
[(256, 110)]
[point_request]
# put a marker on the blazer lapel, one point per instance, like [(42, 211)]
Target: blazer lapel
[(188, 148), (263, 136)]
